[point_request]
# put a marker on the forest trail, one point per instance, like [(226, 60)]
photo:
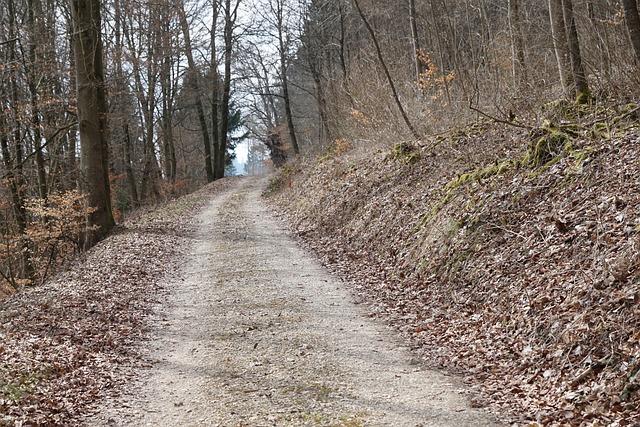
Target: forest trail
[(257, 333)]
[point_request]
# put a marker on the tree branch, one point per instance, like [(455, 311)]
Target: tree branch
[(415, 133), (497, 120)]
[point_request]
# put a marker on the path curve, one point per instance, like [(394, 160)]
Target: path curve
[(257, 333)]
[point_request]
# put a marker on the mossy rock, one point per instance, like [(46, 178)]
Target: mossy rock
[(584, 97), (406, 153), (546, 148), (498, 168)]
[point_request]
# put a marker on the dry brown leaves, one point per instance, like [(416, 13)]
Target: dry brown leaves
[(68, 344), (527, 282)]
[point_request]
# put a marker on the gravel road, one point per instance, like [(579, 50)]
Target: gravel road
[(256, 333)]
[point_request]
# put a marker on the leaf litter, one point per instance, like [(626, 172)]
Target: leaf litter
[(525, 280), (67, 345)]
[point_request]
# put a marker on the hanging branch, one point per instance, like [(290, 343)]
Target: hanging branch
[(497, 120), (415, 133)]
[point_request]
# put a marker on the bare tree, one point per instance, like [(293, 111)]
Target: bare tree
[(92, 120), (561, 47), (122, 104), (383, 64), (517, 44), (168, 56), (583, 94), (142, 34), (633, 24), (194, 81), (278, 10), (415, 39), (230, 11), (314, 39)]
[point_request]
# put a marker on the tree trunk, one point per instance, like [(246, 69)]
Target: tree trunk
[(324, 132), (415, 40), (145, 92), (168, 148), (583, 94), (70, 159), (560, 45), (169, 151), (599, 22), (517, 45), (633, 24), (15, 183), (131, 179), (195, 81), (34, 25), (229, 25), (92, 120), (215, 80), (343, 48), (286, 99), (122, 103), (319, 61)]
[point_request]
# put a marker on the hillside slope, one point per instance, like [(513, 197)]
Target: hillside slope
[(511, 255)]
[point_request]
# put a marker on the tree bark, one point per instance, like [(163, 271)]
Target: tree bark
[(517, 44), (583, 94), (92, 120), (195, 81), (632, 18), (560, 45)]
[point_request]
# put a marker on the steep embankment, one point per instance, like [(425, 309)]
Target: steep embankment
[(508, 254)]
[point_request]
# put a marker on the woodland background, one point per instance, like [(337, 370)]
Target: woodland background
[(185, 81), (477, 154)]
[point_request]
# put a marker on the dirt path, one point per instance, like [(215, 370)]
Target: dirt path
[(256, 333)]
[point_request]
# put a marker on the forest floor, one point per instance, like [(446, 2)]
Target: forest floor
[(507, 252), (207, 313), (509, 255)]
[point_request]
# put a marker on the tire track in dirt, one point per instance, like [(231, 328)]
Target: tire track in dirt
[(257, 333)]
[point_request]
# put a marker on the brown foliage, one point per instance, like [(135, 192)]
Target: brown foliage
[(51, 239), (56, 230)]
